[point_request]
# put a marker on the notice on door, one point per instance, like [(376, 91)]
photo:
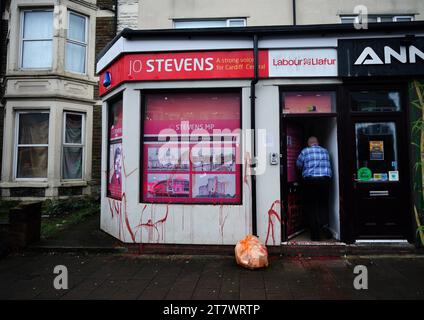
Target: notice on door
[(377, 150)]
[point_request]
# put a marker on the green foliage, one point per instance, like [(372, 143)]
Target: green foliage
[(61, 214), (63, 207)]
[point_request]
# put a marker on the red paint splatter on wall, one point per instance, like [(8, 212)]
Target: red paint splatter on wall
[(247, 170), (248, 191), (272, 213), (154, 226), (118, 209), (222, 219)]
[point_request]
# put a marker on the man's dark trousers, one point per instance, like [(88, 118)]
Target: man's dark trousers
[(316, 197)]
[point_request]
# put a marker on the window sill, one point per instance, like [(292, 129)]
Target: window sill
[(20, 184), (78, 183)]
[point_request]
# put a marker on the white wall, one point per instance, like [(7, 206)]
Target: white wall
[(331, 143), (268, 183), (185, 224)]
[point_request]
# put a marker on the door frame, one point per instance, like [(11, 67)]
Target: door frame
[(283, 145), (349, 119)]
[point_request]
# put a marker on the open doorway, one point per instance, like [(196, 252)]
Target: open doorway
[(297, 129)]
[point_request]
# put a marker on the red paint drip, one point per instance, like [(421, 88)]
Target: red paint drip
[(154, 226), (272, 212)]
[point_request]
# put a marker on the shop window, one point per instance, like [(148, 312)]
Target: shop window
[(31, 151), (375, 101), (73, 146), (114, 187), (309, 102), (37, 39), (76, 43), (191, 148)]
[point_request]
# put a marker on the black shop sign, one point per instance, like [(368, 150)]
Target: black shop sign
[(381, 56)]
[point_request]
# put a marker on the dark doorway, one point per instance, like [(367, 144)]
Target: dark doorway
[(379, 185), (296, 130)]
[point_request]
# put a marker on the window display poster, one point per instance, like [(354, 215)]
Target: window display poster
[(214, 186), (114, 187), (376, 150), (294, 147), (216, 158), (168, 185), (192, 113), (191, 147), (115, 120), (166, 157)]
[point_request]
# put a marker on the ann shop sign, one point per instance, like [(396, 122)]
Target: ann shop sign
[(392, 56)]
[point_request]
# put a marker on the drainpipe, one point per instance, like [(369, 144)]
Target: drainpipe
[(115, 20), (294, 11), (253, 122)]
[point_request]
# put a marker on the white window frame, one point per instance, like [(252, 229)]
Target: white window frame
[(67, 144), (395, 18), (355, 18), (78, 42), (21, 38), (236, 19), (226, 20), (378, 17), (17, 145)]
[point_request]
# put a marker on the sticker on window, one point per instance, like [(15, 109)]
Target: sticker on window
[(377, 150)]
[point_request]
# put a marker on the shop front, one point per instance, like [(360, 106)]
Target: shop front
[(201, 133)]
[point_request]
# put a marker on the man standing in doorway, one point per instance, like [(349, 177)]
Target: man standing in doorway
[(314, 161)]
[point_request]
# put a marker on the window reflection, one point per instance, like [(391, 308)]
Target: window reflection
[(375, 101)]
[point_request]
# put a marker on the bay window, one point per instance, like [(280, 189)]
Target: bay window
[(37, 39), (191, 148), (73, 146), (76, 43), (31, 149)]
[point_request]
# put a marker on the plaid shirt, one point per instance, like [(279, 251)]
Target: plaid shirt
[(314, 162)]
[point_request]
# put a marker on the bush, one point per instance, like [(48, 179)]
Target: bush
[(63, 207)]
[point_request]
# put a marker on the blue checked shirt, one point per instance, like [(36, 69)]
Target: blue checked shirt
[(314, 162)]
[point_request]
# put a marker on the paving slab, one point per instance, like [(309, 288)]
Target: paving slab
[(125, 276)]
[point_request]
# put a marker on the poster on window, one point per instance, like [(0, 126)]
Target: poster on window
[(377, 150), (223, 158), (168, 185), (187, 137), (115, 171), (115, 120), (294, 147), (214, 186), (196, 115), (167, 158)]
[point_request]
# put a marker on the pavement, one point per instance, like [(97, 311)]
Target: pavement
[(155, 277), (85, 236)]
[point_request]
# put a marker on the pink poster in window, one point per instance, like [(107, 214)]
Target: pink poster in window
[(199, 160), (188, 113), (115, 171), (115, 130), (294, 146)]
